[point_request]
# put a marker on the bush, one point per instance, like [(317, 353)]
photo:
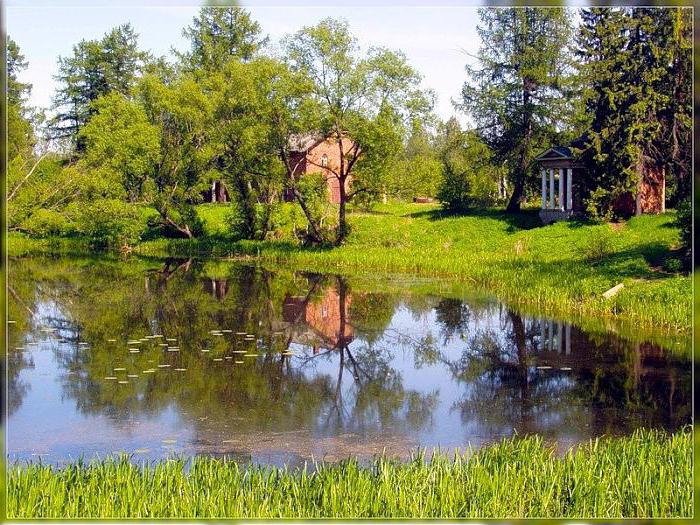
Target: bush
[(599, 205), (684, 221), (45, 223), (106, 222), (599, 247)]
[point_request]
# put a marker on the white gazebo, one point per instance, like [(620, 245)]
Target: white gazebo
[(557, 167)]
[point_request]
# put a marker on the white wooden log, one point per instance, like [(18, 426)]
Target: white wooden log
[(613, 291)]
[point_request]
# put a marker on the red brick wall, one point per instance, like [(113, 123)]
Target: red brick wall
[(651, 194), (312, 164)]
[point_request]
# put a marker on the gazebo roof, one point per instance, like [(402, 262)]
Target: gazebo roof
[(556, 153)]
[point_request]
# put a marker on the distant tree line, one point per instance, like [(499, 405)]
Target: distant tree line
[(135, 139)]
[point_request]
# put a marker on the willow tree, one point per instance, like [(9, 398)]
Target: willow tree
[(361, 96), (514, 91)]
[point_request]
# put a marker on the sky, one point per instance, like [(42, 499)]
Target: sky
[(435, 39)]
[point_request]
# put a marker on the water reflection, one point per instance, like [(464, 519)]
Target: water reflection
[(273, 366)]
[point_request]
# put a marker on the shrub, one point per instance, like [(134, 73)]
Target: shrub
[(106, 222), (684, 221), (598, 247), (599, 205), (673, 265), (45, 223)]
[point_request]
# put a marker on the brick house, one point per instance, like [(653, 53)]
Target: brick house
[(318, 153)]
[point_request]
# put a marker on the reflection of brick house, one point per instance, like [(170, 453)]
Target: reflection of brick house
[(316, 153), (320, 323)]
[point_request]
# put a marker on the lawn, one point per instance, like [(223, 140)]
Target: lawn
[(648, 474), (558, 270)]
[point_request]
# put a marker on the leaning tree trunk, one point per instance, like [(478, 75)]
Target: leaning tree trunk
[(342, 231), (517, 195)]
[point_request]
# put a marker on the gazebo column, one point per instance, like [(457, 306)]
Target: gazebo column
[(551, 189), (543, 334), (559, 338), (544, 188), (561, 189), (569, 185)]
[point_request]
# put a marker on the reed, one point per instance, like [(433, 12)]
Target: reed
[(647, 474)]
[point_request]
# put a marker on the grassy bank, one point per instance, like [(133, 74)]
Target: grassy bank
[(561, 269), (647, 474)]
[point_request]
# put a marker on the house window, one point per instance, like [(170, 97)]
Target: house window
[(324, 161)]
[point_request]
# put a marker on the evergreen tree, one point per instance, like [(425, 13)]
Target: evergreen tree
[(219, 33), (20, 134), (635, 65), (515, 90), (96, 68)]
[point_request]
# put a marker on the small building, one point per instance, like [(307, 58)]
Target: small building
[(560, 198), (318, 153), (563, 187)]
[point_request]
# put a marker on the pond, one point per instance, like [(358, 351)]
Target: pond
[(271, 366)]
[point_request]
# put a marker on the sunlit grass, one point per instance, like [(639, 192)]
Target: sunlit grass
[(648, 474)]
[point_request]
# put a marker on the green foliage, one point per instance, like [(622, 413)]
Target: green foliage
[(634, 68), (218, 34), (646, 474), (20, 135), (95, 68), (284, 221), (361, 96), (684, 222), (45, 223), (122, 146), (598, 247), (599, 205), (467, 170), (51, 186), (183, 112), (515, 90), (106, 222)]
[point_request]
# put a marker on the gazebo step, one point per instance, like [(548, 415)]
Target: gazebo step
[(548, 216)]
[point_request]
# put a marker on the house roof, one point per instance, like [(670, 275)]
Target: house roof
[(305, 141)]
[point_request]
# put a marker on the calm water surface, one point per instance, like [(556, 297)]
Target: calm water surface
[(272, 366)]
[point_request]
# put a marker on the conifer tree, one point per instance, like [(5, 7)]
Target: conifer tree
[(96, 68), (514, 91), (635, 68), (219, 33)]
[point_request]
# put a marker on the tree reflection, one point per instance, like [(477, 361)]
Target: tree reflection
[(262, 350), (549, 378)]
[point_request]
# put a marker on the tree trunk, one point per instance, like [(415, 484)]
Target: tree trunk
[(342, 231), (516, 197), (521, 169), (185, 230)]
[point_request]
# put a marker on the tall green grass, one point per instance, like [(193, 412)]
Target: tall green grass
[(648, 474)]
